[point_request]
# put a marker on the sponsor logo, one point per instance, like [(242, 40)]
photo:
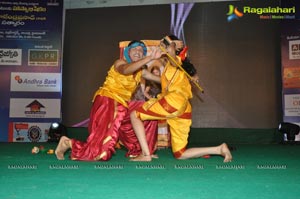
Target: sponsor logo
[(262, 12), (35, 82), (292, 105), (35, 108), (42, 57), (269, 10), (294, 49), (233, 13), (19, 127), (34, 134), (28, 132), (10, 56)]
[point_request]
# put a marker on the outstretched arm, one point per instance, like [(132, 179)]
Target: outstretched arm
[(128, 68)]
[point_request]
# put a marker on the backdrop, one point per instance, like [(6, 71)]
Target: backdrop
[(238, 61)]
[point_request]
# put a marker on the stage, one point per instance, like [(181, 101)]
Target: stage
[(257, 171)]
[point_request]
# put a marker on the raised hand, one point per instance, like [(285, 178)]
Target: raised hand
[(156, 53)]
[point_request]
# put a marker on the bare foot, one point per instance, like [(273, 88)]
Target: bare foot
[(142, 158), (154, 156), (225, 152), (62, 147)]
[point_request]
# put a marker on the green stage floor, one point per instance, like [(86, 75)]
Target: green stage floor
[(258, 171)]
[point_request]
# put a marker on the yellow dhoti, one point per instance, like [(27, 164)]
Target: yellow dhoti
[(173, 106)]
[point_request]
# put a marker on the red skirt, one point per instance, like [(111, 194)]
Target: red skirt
[(128, 137), (109, 121)]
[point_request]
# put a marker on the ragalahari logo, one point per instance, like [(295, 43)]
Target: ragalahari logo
[(233, 13)]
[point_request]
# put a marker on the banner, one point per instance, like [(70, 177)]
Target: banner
[(290, 68), (30, 68)]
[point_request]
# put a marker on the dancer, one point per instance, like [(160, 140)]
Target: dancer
[(172, 105), (110, 106)]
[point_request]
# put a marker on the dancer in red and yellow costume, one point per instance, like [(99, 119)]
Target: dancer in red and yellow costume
[(110, 107), (172, 105)]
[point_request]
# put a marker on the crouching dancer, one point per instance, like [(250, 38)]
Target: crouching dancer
[(173, 106), (110, 106)]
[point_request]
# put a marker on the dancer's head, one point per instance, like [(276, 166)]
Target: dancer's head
[(135, 51), (173, 40), (155, 70)]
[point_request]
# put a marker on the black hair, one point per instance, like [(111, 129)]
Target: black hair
[(173, 37), (189, 67)]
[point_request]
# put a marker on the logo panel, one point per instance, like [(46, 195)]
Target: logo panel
[(34, 108), (42, 57), (35, 82), (10, 56)]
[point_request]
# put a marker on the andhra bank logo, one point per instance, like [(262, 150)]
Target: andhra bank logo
[(262, 12)]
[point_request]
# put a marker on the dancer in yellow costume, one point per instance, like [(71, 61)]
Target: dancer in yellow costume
[(110, 106), (174, 106)]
